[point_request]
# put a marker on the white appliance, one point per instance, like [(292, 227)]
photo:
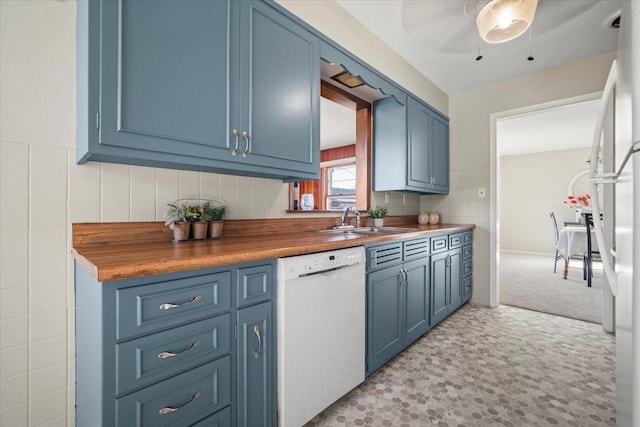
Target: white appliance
[(623, 257), (321, 331)]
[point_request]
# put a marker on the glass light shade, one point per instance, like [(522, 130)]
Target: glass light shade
[(503, 20)]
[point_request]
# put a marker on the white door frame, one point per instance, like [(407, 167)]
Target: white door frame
[(494, 197)]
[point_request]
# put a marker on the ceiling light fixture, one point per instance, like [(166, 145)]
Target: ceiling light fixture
[(502, 20)]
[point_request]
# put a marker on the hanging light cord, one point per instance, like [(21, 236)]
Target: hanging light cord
[(530, 58)]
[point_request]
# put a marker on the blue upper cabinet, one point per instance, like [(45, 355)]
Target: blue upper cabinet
[(411, 147), (223, 86)]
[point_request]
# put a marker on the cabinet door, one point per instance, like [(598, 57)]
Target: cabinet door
[(455, 279), (419, 156), (279, 85), (416, 300), (439, 153), (255, 378), (439, 291), (384, 316), (165, 82)]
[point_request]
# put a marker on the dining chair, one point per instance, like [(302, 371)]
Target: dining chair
[(557, 236), (589, 255)]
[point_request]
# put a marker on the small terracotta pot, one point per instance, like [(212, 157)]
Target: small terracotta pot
[(181, 231), (199, 230), (215, 229)]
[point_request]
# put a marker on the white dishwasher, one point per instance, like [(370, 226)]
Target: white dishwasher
[(321, 331)]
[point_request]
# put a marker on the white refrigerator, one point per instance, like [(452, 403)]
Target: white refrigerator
[(621, 261)]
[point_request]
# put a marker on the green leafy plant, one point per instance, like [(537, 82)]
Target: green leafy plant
[(378, 212), (196, 212), (177, 213), (214, 213)]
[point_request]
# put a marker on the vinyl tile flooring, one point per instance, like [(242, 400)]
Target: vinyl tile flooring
[(490, 367)]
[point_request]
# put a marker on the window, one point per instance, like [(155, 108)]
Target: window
[(340, 186)]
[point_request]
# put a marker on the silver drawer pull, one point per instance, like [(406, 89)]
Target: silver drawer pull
[(235, 150), (256, 354), (169, 409), (168, 354), (245, 135), (168, 306)]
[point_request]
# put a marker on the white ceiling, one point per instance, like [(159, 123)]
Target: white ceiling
[(337, 125), (561, 128), (440, 39)]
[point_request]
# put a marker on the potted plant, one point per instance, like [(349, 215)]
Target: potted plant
[(199, 222), (216, 216), (377, 214), (177, 218)]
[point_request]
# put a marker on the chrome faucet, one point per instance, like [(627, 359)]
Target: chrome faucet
[(345, 215)]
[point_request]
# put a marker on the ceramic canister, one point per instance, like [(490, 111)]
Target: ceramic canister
[(423, 218), (434, 218)]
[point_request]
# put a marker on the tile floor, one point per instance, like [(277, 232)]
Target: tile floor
[(481, 366)]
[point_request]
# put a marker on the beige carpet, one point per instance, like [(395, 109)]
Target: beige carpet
[(528, 281)]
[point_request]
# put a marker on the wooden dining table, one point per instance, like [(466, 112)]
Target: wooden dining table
[(572, 240)]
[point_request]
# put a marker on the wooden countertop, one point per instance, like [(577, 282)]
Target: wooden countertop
[(143, 249)]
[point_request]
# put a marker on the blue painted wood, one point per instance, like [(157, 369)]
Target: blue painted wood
[(455, 240), (416, 300), (143, 408), (467, 252), (384, 255), (254, 284), (456, 288), (279, 90), (420, 172), (467, 282), (140, 363), (143, 309), (219, 419), (439, 142), (165, 80), (385, 312), (411, 147), (439, 244), (128, 371), (255, 372), (415, 249), (439, 291), (165, 76), (390, 144)]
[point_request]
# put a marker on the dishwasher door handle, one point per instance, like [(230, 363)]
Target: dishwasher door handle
[(331, 270)]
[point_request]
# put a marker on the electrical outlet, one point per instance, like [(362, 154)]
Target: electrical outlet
[(482, 192), (386, 198)]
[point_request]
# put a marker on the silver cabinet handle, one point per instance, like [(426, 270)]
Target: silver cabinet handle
[(168, 354), (405, 277), (256, 354), (169, 305), (169, 409), (235, 150), (245, 135)]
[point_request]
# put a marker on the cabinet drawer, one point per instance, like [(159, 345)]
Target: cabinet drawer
[(180, 400), (219, 419), (467, 237), (384, 255), (455, 240), (468, 286), (416, 249), (254, 284), (157, 356), (467, 252), (439, 244), (467, 268), (162, 305)]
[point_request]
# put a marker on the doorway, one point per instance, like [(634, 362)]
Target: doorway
[(530, 178)]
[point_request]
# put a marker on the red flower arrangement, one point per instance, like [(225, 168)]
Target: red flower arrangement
[(578, 202)]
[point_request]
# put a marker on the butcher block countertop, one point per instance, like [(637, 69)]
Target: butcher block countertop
[(113, 251)]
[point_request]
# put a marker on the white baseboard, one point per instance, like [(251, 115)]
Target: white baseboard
[(551, 254)]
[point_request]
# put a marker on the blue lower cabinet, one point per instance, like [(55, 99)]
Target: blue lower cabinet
[(412, 285), (174, 349), (255, 377)]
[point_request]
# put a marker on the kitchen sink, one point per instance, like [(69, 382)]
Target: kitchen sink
[(368, 230)]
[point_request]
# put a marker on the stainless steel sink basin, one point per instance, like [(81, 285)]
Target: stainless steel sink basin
[(368, 230), (383, 230)]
